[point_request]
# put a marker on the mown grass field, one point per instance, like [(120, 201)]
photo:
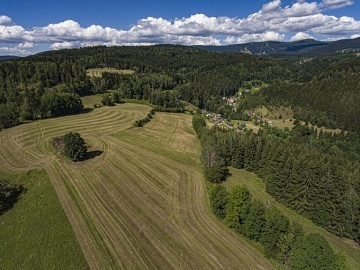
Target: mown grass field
[(141, 201), (36, 234), (97, 72), (256, 187)]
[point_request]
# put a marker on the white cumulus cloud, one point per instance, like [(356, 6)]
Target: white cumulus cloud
[(26, 45), (301, 36), (267, 36), (13, 51), (12, 33), (273, 21), (5, 20), (64, 45), (301, 9), (333, 4), (272, 6)]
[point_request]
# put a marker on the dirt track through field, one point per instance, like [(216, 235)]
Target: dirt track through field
[(132, 207)]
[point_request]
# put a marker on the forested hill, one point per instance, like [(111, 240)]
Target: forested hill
[(38, 86), (329, 98), (303, 47)]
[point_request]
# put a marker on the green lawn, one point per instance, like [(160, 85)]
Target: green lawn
[(35, 233)]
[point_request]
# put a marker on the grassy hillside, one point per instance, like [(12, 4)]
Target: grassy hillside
[(97, 72), (36, 234), (140, 202), (256, 187)]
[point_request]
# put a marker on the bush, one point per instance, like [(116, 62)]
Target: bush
[(215, 173), (218, 200), (9, 194), (312, 251), (106, 100), (9, 115)]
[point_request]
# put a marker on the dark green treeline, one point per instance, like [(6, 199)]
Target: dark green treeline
[(325, 187)]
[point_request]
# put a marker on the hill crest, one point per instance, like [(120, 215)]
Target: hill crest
[(306, 46)]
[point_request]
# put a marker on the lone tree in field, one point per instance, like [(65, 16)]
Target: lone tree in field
[(74, 146)]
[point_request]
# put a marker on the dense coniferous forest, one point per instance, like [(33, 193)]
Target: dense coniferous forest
[(315, 173)]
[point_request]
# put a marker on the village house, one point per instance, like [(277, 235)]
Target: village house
[(231, 101), (216, 116), (258, 119)]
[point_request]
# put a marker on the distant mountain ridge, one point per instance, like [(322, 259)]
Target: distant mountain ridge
[(306, 46), (6, 57)]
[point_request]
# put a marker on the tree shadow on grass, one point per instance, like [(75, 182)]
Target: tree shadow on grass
[(93, 154), (9, 194)]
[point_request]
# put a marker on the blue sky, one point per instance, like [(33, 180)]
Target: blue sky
[(27, 27)]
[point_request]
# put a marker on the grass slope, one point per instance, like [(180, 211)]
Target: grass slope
[(256, 187), (36, 234), (139, 204), (89, 101), (97, 72)]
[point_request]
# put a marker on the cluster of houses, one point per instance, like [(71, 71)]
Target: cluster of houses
[(218, 120), (213, 116), (231, 101)]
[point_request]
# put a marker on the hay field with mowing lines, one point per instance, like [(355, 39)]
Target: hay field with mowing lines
[(139, 204), (97, 72)]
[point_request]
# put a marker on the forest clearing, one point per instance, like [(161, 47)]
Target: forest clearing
[(97, 72)]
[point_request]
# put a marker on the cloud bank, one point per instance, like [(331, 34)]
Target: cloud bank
[(272, 22)]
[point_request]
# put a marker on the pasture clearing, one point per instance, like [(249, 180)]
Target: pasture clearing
[(141, 201), (89, 101), (97, 72), (281, 112), (257, 188), (249, 125)]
